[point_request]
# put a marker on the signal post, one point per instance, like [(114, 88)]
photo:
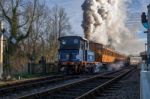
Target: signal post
[(145, 72)]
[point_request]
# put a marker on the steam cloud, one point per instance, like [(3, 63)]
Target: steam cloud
[(104, 22), (115, 66)]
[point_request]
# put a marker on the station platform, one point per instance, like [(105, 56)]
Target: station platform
[(144, 82)]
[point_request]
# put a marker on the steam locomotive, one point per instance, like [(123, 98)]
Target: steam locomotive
[(77, 55)]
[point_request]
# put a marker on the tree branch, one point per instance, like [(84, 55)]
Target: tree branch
[(17, 4), (23, 23), (4, 13), (30, 25)]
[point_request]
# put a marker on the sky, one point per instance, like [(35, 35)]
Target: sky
[(135, 8), (74, 11)]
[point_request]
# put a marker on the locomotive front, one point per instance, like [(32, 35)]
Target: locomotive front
[(72, 54)]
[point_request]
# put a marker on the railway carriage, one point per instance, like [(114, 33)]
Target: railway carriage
[(77, 55)]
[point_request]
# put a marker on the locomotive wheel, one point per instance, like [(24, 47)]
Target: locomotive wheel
[(92, 70), (70, 70), (76, 69), (79, 69)]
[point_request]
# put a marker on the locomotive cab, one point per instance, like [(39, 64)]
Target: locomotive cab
[(72, 48)]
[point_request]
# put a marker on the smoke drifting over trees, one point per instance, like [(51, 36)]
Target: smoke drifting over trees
[(104, 22)]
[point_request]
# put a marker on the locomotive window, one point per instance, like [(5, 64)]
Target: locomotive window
[(90, 57), (76, 41), (82, 45), (87, 46), (63, 42)]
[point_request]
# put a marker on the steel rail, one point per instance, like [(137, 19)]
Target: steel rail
[(13, 83), (90, 94), (32, 83), (65, 86)]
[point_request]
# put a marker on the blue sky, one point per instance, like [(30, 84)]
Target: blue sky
[(74, 11), (137, 7)]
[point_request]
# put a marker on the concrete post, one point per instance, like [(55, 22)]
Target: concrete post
[(148, 37), (1, 51)]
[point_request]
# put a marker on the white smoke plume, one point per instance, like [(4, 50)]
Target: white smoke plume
[(116, 66), (104, 22)]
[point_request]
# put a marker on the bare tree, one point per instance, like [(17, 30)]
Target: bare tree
[(46, 29), (36, 37), (35, 27), (58, 26), (16, 14)]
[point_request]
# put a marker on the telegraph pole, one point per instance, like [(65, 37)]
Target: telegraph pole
[(148, 37), (1, 51)]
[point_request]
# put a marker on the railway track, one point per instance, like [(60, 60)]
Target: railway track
[(81, 89), (127, 87), (21, 82), (14, 88)]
